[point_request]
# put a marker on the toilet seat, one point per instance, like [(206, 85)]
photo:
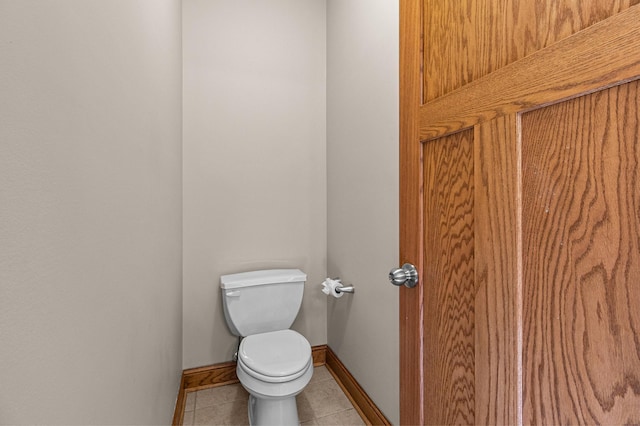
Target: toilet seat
[(275, 357)]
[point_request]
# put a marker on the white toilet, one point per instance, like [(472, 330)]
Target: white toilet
[(274, 363)]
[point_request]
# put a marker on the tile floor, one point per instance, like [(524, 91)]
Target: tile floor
[(322, 402)]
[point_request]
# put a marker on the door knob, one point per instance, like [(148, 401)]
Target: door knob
[(407, 275)]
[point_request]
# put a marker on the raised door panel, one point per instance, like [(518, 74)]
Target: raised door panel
[(449, 280), (497, 263), (581, 260)]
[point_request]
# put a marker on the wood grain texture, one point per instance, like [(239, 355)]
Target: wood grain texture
[(449, 287), (555, 210), (581, 259), (600, 56), (466, 40), (411, 377), (498, 251), (358, 397)]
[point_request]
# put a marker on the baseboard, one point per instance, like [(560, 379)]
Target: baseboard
[(319, 355), (359, 398), (178, 412), (222, 374)]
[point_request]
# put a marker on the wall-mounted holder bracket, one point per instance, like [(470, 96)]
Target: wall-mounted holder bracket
[(346, 289)]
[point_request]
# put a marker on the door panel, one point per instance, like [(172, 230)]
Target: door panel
[(497, 267), (581, 241), (449, 281)]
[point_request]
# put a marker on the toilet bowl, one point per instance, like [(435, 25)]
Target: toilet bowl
[(274, 367), (274, 363)]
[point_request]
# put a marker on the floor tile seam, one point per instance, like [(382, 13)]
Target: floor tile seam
[(336, 412), (339, 411), (228, 401), (323, 384), (215, 405), (328, 379)]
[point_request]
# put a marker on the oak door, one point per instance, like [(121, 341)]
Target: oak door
[(520, 207)]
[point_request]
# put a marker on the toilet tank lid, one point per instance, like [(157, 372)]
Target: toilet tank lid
[(269, 276)]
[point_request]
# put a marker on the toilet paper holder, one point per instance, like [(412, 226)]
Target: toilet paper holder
[(347, 289), (344, 289)]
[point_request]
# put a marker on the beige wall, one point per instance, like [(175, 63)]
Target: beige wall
[(254, 158), (90, 211), (90, 201), (362, 158)]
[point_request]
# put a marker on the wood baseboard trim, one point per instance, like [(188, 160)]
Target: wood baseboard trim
[(359, 398), (178, 412), (224, 373), (319, 354)]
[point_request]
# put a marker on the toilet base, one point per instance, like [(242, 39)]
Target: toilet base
[(269, 412)]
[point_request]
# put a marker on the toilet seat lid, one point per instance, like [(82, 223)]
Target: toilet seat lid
[(276, 353)]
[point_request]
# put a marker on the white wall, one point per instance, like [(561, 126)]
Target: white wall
[(90, 211), (362, 159), (254, 158)]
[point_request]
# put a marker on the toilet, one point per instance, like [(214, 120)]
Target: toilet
[(274, 362)]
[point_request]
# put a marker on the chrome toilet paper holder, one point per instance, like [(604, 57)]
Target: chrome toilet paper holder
[(344, 289)]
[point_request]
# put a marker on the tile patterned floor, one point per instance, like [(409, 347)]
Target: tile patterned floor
[(322, 402)]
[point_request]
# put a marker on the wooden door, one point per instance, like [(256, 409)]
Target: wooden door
[(520, 207)]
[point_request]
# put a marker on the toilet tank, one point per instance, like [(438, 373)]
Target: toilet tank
[(261, 301)]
